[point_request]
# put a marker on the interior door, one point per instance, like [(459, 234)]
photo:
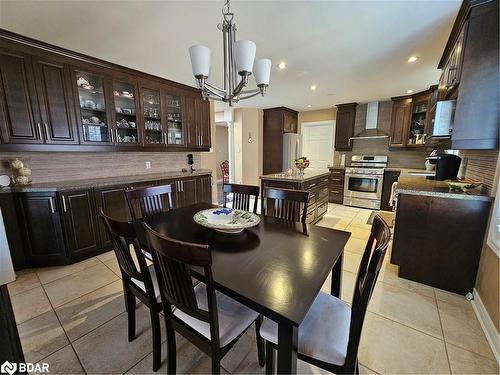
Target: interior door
[(317, 143), (19, 113), (56, 101)]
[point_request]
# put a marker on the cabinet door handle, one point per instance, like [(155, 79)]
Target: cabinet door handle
[(46, 130), (40, 135), (116, 135), (312, 185), (335, 191), (111, 135), (51, 202), (65, 209), (336, 179), (201, 140), (182, 184), (165, 138)]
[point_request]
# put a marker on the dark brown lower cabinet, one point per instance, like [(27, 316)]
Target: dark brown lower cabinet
[(204, 189), (80, 224), (64, 227), (40, 220)]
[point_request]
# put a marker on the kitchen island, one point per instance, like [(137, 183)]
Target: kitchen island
[(438, 234), (316, 181)]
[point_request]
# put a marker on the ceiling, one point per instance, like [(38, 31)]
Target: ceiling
[(351, 50)]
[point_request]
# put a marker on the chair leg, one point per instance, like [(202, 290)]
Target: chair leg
[(261, 353), (269, 358), (171, 350), (215, 363), (130, 299), (156, 332)]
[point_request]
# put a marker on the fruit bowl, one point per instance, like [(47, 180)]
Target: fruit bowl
[(301, 164), (226, 220), (462, 185)]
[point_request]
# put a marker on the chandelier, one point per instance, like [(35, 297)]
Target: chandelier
[(238, 65)]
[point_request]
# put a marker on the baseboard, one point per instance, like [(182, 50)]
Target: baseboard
[(487, 324)]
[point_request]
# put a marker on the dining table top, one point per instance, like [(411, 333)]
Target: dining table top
[(272, 267)]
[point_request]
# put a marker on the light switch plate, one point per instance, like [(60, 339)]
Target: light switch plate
[(148, 165)]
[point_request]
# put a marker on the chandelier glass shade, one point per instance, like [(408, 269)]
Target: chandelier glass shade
[(239, 64)]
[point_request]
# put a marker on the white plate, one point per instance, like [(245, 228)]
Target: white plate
[(4, 180), (226, 220)]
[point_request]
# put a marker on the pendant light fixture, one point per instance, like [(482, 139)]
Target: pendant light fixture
[(239, 65)]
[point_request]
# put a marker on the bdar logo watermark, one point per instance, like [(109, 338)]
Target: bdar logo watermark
[(11, 368)]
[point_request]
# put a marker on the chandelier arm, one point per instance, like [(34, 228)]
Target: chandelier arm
[(215, 88), (249, 96), (213, 92), (250, 91)]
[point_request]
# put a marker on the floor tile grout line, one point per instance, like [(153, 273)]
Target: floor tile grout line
[(65, 265), (65, 333), (72, 274), (36, 286), (442, 330)]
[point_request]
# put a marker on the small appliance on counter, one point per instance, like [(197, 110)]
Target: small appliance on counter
[(447, 166), (190, 162)]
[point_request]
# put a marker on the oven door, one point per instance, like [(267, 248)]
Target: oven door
[(363, 186)]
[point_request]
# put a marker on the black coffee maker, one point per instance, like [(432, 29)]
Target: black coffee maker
[(447, 166)]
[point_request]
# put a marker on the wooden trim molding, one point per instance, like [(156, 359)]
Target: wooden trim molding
[(487, 324)]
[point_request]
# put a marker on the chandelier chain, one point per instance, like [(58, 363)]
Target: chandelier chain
[(226, 11)]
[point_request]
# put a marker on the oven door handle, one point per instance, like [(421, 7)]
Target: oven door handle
[(372, 176)]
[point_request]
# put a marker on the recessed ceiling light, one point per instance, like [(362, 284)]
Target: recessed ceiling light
[(313, 87), (412, 59), (282, 65), (309, 106), (409, 91)]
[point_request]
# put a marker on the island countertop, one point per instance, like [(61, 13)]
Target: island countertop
[(418, 185), (309, 174), (101, 182)]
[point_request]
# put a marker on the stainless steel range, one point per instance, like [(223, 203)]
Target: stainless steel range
[(363, 181)]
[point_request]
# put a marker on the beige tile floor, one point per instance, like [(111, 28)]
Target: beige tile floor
[(73, 317)]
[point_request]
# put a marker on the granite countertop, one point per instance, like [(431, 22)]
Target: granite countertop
[(309, 174), (100, 182), (417, 185)]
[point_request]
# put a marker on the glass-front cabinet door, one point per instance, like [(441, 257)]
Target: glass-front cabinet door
[(125, 114), (175, 129), (418, 122), (152, 117), (91, 95)]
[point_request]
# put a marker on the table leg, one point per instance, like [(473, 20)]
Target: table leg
[(287, 348), (337, 277)]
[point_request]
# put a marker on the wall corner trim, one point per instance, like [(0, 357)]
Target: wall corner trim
[(487, 324)]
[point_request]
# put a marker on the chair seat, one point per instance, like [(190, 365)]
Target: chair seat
[(141, 285), (324, 332), (234, 318)]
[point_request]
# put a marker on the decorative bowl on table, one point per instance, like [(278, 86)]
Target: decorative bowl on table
[(301, 164), (462, 185), (226, 220)]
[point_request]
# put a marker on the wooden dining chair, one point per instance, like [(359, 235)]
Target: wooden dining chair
[(287, 205), (242, 195), (149, 201), (210, 320), (330, 333), (140, 282)]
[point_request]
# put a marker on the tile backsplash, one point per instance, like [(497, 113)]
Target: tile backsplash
[(58, 166), (481, 165)]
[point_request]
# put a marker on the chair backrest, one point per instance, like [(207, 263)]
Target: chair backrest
[(123, 237), (242, 195), (287, 205), (369, 269), (224, 167), (148, 201), (172, 260)]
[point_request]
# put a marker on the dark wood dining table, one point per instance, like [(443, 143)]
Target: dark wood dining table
[(272, 268)]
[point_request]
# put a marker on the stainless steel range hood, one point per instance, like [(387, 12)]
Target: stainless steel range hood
[(371, 131)]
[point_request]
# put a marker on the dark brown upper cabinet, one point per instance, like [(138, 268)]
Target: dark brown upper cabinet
[(411, 121), (477, 113), (55, 98), (20, 115), (344, 126), (277, 121)]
